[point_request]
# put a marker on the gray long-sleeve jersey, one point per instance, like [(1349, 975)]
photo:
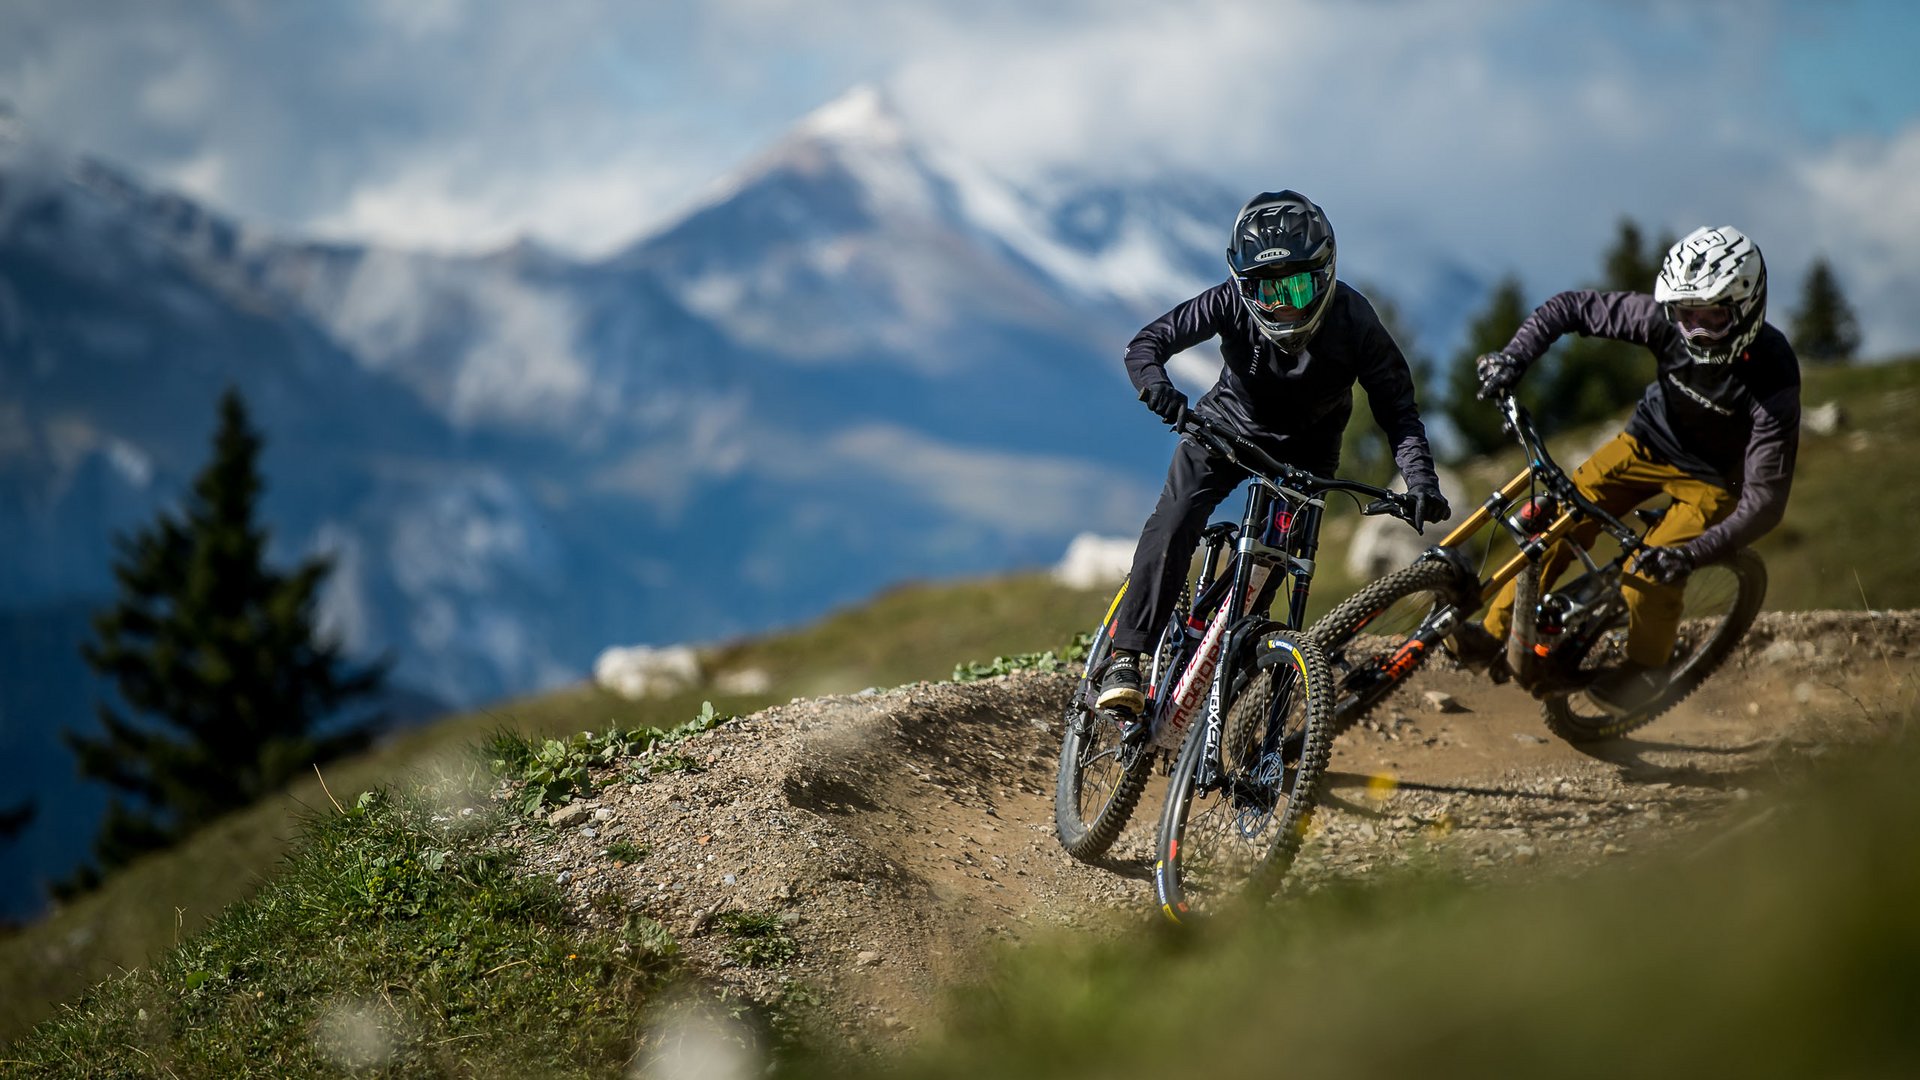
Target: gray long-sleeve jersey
[(1735, 424), (1295, 406)]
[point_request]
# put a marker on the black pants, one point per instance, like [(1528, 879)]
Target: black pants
[(1196, 482)]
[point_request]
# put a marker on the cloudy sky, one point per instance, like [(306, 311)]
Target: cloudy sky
[(1511, 135)]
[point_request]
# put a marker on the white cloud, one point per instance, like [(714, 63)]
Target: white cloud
[(1506, 135), (1862, 199)]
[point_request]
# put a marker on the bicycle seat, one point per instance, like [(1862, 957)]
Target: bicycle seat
[(1652, 515)]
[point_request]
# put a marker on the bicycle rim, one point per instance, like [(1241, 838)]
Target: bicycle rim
[(1245, 828), (1100, 780), (1720, 602)]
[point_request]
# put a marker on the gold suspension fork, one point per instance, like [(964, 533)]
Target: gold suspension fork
[(1476, 520)]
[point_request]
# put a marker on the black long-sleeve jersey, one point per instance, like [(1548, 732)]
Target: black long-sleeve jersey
[(1295, 406), (1735, 424)]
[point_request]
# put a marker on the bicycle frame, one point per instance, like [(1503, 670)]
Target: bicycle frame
[(1541, 475), (1276, 540)]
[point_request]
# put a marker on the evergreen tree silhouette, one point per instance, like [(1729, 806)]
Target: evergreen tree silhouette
[(220, 653), (1824, 329)]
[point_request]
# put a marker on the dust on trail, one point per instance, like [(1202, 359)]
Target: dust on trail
[(895, 834)]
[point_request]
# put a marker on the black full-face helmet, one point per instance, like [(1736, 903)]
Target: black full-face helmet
[(1281, 257)]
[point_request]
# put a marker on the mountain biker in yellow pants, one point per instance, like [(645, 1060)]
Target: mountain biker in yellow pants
[(1718, 430), (1620, 476)]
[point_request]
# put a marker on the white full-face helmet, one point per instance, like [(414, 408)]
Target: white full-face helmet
[(1713, 286)]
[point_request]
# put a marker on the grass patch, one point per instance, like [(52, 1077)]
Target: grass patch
[(553, 772), (1062, 660), (627, 851), (756, 939), (396, 937)]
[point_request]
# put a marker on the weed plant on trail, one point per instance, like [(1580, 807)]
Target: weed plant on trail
[(1781, 944), (394, 938)]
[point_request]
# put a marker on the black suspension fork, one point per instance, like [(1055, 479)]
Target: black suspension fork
[(1303, 543)]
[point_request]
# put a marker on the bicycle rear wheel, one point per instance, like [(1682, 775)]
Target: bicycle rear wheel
[(1239, 830), (1366, 636), (1100, 780), (1721, 601)]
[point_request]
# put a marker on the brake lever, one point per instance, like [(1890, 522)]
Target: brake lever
[(1399, 507)]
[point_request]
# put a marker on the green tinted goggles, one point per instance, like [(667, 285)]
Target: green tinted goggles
[(1292, 291)]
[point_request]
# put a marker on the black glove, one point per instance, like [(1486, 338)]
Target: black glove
[(1664, 565), (1498, 373), (1429, 506), (1166, 401)]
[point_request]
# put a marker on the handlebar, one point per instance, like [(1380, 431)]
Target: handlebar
[(1519, 422), (1226, 443)]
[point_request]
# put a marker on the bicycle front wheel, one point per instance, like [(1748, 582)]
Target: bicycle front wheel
[(1235, 822), (1721, 600), (1368, 637)]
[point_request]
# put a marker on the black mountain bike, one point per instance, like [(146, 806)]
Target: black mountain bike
[(1242, 780), (1561, 640)]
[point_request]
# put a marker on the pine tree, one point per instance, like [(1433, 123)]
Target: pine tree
[(221, 653), (14, 819), (1824, 329), (1476, 422)]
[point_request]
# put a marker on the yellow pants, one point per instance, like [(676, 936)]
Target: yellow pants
[(1620, 476)]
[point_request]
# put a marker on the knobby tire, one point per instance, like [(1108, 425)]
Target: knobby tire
[(1566, 718), (1090, 749), (1212, 845), (1335, 631)]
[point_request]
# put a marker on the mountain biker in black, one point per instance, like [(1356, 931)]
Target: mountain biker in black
[(1294, 340), (1718, 431)]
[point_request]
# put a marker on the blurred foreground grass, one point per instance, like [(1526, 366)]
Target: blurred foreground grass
[(1782, 943), (396, 940)]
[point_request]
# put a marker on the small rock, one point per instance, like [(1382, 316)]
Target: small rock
[(1439, 701), (570, 814), (1783, 651), (588, 832), (604, 813), (565, 877), (1524, 853), (866, 958), (730, 880), (1803, 692), (1530, 740), (1612, 849), (1826, 418)]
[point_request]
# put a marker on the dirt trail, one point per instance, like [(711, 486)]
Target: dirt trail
[(893, 834)]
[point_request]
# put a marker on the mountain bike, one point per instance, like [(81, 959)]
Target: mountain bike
[(1242, 780), (1561, 640)]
